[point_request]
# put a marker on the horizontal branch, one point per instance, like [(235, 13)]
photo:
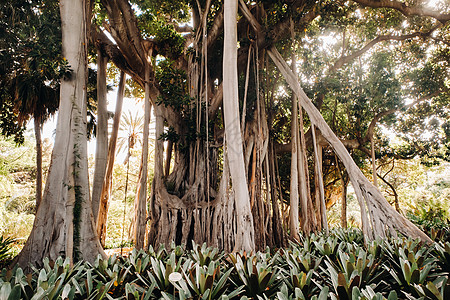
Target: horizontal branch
[(405, 9), (391, 111), (389, 37)]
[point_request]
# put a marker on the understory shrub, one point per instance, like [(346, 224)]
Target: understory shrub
[(334, 266), (433, 219)]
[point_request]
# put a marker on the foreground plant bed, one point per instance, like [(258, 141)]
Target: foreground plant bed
[(337, 266)]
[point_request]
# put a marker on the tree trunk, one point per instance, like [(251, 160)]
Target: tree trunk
[(101, 152), (102, 214), (141, 194), (374, 166), (383, 217), (294, 200), (320, 192), (245, 231), (168, 158), (37, 134), (344, 202), (344, 184), (309, 220), (64, 224)]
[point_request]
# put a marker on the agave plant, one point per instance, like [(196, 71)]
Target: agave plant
[(327, 246), (159, 272), (439, 289), (159, 253), (442, 253), (350, 235), (205, 282), (354, 269), (301, 266), (408, 262), (257, 273), (56, 280), (114, 272), (204, 255), (369, 294)]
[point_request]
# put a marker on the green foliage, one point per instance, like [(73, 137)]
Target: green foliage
[(433, 221), (389, 269), (31, 63), (258, 273), (17, 188), (172, 85), (169, 42), (5, 251)]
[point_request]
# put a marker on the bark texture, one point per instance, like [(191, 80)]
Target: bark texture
[(37, 134), (101, 152), (140, 217), (64, 223), (245, 231)]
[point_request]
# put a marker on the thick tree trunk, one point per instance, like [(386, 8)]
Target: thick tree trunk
[(140, 217), (101, 152), (102, 214), (383, 217), (245, 231), (37, 134), (64, 224)]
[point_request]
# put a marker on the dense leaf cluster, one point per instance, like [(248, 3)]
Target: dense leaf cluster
[(32, 63)]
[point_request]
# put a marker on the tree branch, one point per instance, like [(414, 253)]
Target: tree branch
[(390, 111), (405, 9), (390, 37)]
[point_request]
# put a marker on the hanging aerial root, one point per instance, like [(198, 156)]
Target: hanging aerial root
[(383, 217)]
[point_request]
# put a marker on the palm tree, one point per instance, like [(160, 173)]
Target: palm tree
[(35, 67), (130, 133), (35, 100)]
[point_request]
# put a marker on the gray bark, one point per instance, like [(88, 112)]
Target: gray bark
[(141, 199), (245, 231), (64, 224), (101, 152), (37, 134)]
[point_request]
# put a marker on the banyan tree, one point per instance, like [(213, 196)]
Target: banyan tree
[(215, 74)]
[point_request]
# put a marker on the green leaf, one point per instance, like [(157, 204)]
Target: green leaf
[(406, 270), (5, 291), (40, 294), (42, 277), (323, 294), (66, 291), (392, 296), (433, 289)]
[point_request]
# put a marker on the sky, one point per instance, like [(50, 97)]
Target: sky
[(129, 104)]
